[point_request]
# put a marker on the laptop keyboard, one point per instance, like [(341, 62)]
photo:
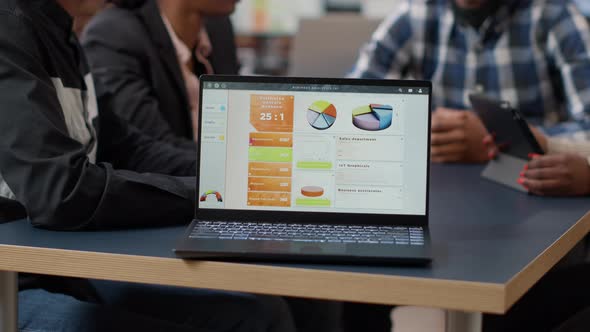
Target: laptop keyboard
[(308, 233)]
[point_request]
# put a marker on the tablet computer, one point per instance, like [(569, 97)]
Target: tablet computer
[(510, 130), (513, 137)]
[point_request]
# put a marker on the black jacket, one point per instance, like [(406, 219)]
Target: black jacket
[(71, 164), (131, 53)]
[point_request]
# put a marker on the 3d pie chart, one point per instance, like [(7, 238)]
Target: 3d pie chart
[(372, 117), (312, 191), (321, 115)]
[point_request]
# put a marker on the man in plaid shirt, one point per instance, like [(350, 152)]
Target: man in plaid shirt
[(534, 54)]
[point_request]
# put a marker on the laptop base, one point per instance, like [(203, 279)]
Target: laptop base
[(197, 245)]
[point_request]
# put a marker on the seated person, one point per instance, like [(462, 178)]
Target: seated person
[(73, 164), (533, 54), (151, 66)]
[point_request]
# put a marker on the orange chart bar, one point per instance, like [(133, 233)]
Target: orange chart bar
[(269, 184), (270, 169), (271, 139), (269, 199)]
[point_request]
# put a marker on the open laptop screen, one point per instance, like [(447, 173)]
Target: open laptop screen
[(313, 147)]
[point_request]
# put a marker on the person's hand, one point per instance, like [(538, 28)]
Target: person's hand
[(493, 149), (556, 175), (456, 137), (489, 143)]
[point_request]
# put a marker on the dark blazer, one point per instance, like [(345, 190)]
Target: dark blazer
[(132, 55), (67, 158)]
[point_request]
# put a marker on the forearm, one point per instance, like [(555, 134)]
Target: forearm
[(131, 199), (127, 148), (128, 200), (557, 145)]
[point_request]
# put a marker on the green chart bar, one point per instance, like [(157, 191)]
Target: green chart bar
[(266, 154)]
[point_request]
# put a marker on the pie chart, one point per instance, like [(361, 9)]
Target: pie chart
[(312, 191), (372, 117), (321, 115)]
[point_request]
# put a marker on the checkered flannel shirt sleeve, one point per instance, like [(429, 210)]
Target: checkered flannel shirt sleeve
[(565, 42), (388, 54), (568, 43)]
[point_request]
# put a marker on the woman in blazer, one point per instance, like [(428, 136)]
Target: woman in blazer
[(141, 65)]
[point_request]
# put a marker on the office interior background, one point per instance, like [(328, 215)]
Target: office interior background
[(282, 37), (273, 35), (296, 38)]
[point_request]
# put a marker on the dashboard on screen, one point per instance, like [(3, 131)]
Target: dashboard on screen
[(314, 148)]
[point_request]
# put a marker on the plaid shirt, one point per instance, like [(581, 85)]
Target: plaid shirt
[(534, 54)]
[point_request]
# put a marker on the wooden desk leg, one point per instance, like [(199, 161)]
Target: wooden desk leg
[(8, 301), (458, 321)]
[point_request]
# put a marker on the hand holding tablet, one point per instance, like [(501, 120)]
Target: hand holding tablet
[(564, 174), (510, 135)]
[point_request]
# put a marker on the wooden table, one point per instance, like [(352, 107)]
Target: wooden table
[(491, 244)]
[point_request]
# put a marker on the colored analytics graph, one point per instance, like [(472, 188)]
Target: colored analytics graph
[(321, 115), (211, 193), (372, 117), (270, 151)]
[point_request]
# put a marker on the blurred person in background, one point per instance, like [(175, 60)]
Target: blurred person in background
[(73, 165), (531, 53), (151, 67)]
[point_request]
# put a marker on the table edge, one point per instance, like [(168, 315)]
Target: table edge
[(298, 282), (261, 279), (518, 285)]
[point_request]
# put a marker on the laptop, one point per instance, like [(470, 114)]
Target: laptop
[(311, 169)]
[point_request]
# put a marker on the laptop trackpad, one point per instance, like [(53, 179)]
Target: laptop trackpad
[(322, 249), (331, 249), (297, 247)]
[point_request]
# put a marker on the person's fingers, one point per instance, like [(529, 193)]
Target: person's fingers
[(492, 152), (534, 155), (446, 158), (447, 149), (490, 144), (543, 187), (446, 125), (446, 110), (544, 173), (489, 139), (546, 161), (445, 121), (438, 160), (447, 153), (521, 181), (447, 137)]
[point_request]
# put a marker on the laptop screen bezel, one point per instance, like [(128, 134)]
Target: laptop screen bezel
[(312, 217)]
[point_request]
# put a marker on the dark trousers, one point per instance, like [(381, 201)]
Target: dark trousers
[(280, 314), (131, 307)]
